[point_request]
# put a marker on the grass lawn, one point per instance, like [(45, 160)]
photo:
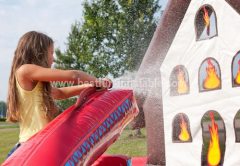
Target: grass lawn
[(125, 145), (8, 138), (129, 145)]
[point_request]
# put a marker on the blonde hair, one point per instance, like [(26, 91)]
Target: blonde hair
[(32, 48)]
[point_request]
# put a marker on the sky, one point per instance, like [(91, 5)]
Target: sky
[(52, 17)]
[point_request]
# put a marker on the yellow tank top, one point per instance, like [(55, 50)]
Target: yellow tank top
[(32, 116)]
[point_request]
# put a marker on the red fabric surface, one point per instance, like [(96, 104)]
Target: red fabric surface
[(57, 142), (139, 161), (111, 160), (119, 160)]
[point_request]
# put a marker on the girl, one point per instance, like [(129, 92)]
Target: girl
[(30, 94)]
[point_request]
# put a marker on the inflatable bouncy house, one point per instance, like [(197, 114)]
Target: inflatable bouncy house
[(82, 133), (193, 114)]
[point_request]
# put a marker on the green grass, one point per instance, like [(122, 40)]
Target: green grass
[(125, 145), (5, 125), (8, 138), (129, 145)]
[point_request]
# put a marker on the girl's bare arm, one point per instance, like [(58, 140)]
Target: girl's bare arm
[(37, 73), (66, 92)]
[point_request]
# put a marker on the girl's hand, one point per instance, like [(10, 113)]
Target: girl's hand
[(104, 83)]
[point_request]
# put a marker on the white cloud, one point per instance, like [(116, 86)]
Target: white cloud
[(53, 17)]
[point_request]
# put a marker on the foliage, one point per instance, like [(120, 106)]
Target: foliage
[(64, 104), (112, 38), (3, 110), (2, 119)]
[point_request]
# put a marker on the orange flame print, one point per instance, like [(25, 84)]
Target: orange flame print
[(182, 85), (237, 79), (206, 20), (184, 135), (212, 80), (214, 152)]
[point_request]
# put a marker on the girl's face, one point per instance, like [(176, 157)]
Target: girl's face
[(50, 55)]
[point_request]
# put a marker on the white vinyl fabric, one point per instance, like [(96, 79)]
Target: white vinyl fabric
[(186, 51)]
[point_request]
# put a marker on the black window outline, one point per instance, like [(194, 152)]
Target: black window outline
[(220, 75), (237, 140), (174, 132), (224, 128), (233, 82), (171, 80), (195, 23)]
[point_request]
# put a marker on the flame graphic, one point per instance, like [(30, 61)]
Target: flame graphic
[(214, 152), (206, 20), (237, 79), (182, 85), (212, 81), (184, 135)]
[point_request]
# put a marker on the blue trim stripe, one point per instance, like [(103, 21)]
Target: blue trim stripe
[(102, 130)]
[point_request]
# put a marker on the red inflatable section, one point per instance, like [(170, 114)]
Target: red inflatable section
[(80, 134), (116, 160), (120, 160)]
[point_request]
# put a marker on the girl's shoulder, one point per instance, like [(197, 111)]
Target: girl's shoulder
[(23, 81)]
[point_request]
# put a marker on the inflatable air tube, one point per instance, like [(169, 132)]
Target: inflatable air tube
[(79, 135)]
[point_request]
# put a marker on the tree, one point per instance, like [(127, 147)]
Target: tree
[(137, 30), (112, 38), (3, 109)]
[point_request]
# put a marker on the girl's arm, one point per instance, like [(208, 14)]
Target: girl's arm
[(66, 92), (33, 72)]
